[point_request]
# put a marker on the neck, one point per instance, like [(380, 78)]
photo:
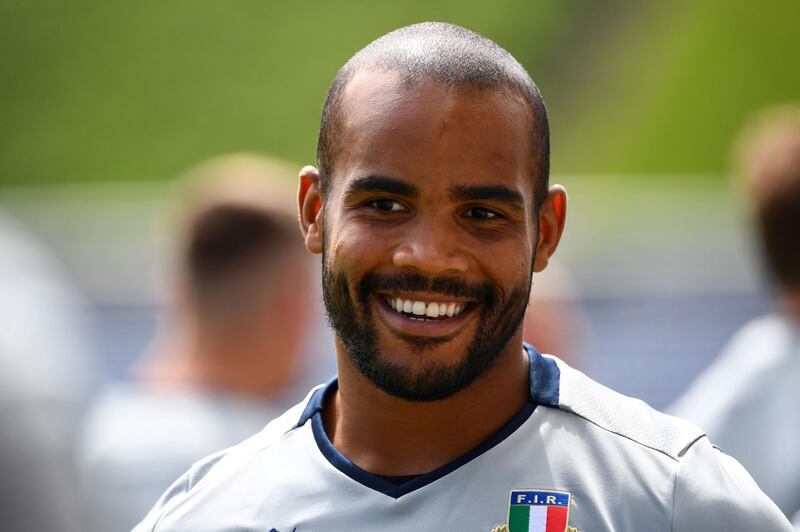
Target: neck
[(189, 359), (386, 435)]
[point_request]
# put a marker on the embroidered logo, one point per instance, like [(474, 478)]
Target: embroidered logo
[(504, 528), (537, 511)]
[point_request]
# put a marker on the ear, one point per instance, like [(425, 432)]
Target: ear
[(309, 201), (552, 215)]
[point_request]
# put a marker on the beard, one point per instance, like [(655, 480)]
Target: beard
[(352, 321)]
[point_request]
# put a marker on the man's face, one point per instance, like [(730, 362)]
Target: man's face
[(429, 232)]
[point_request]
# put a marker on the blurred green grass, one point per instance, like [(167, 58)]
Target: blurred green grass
[(129, 91), (669, 91)]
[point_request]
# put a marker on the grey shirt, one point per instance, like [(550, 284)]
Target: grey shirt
[(610, 462)]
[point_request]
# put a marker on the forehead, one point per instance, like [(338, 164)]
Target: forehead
[(427, 131)]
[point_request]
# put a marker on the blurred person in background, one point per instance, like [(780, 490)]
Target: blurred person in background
[(748, 400), (220, 368), (46, 376), (37, 490), (44, 333), (554, 321)]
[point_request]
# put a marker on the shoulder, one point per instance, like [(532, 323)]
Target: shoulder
[(238, 455), (621, 416), (770, 337), (756, 351), (714, 492), (711, 490), (773, 329), (227, 462)]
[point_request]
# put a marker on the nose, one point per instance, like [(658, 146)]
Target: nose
[(431, 248)]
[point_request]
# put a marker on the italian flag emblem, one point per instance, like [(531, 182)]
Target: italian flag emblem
[(538, 511)]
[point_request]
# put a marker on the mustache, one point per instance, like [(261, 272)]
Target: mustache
[(410, 282)]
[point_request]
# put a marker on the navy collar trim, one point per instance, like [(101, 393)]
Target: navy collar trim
[(544, 379)]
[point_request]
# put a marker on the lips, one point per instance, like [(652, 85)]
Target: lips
[(429, 317)]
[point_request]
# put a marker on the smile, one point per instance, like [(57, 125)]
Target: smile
[(424, 310), (428, 315)]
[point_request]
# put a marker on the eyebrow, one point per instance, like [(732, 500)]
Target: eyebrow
[(491, 192), (376, 183)]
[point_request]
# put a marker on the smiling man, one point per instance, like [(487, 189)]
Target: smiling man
[(431, 209)]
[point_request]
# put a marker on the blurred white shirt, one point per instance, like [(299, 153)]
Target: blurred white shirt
[(43, 331), (46, 375), (748, 402), (137, 441)]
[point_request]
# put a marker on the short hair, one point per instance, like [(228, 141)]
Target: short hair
[(228, 250), (448, 54), (238, 234), (769, 159)]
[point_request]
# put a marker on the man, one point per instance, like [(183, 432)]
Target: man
[(748, 399), (431, 210), (228, 352)]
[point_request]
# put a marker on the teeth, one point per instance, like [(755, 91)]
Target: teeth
[(433, 310), (428, 310)]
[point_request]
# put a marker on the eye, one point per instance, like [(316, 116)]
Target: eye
[(481, 214), (386, 205)]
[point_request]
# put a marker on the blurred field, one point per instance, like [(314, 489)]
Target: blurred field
[(139, 91)]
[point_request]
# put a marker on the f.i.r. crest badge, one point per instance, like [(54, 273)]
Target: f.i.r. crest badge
[(538, 511)]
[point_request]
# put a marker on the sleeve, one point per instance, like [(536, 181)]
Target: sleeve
[(177, 489), (713, 492)]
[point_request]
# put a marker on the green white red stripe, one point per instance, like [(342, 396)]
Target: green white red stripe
[(538, 511)]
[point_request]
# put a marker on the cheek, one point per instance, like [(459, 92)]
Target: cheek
[(515, 274), (507, 259), (355, 250)]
